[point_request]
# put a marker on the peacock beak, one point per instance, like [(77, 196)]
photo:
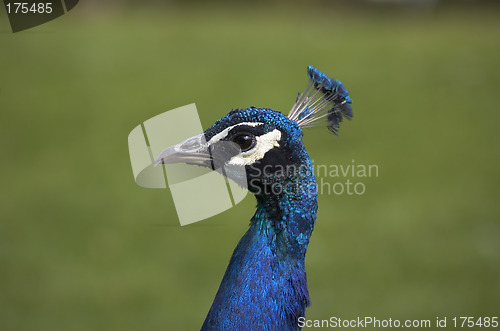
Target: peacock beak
[(193, 150)]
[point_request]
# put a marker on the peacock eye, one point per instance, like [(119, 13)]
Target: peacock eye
[(245, 140)]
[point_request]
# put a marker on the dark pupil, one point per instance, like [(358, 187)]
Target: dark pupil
[(244, 141)]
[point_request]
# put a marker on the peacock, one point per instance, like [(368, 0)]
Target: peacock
[(265, 285)]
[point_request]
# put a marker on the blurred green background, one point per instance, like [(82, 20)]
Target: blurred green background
[(82, 247)]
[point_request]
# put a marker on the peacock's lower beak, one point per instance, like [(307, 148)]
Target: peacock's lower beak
[(193, 150)]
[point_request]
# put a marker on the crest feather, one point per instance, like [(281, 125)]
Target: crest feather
[(324, 102)]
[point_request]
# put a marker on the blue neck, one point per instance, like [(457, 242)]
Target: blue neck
[(265, 286)]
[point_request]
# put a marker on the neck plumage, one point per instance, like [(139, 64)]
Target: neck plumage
[(265, 286)]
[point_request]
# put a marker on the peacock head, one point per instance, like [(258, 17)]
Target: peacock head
[(262, 149)]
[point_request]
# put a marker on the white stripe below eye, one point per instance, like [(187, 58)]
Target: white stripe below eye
[(223, 134), (264, 144)]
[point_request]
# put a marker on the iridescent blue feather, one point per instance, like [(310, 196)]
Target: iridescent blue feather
[(265, 285)]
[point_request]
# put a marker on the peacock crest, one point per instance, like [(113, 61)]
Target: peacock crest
[(324, 102)]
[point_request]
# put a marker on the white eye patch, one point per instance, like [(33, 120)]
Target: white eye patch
[(264, 144), (223, 134)]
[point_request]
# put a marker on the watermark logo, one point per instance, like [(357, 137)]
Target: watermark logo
[(198, 192), (331, 179), (344, 179), (28, 14)]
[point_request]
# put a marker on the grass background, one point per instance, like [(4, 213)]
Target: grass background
[(83, 248)]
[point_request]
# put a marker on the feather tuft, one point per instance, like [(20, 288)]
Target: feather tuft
[(324, 102)]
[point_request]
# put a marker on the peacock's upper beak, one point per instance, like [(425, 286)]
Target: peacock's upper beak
[(193, 150)]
